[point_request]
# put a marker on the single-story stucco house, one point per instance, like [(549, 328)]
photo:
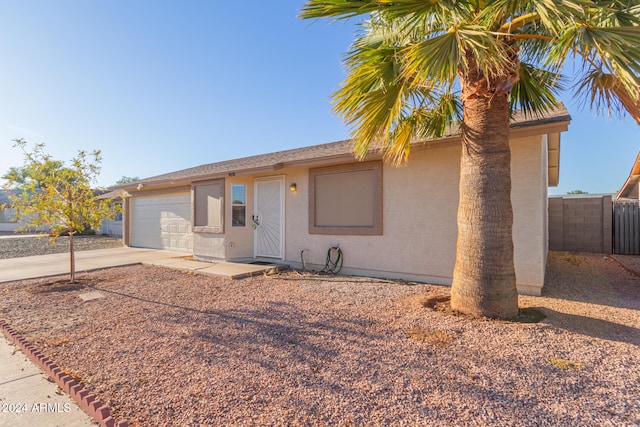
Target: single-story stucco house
[(392, 222), (113, 227), (8, 221)]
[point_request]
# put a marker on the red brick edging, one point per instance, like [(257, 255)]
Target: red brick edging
[(88, 402)]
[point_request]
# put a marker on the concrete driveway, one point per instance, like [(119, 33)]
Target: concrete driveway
[(55, 264)]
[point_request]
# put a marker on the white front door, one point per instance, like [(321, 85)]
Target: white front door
[(268, 217)]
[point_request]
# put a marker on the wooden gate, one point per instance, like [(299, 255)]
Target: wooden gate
[(626, 228)]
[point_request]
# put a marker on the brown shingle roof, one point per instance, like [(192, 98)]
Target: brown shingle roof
[(261, 161), (280, 159)]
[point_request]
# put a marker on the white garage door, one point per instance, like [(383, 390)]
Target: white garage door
[(162, 222)]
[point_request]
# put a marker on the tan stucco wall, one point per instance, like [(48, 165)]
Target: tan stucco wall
[(419, 226), (529, 199), (235, 243), (420, 204), (419, 222), (209, 246)]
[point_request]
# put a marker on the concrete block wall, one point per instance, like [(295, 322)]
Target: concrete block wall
[(581, 224), (556, 222)]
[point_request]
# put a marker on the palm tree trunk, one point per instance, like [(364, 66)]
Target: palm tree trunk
[(484, 274)]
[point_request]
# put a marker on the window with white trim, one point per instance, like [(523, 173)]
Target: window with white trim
[(238, 205)]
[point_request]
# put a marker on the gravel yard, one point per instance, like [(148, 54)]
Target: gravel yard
[(169, 348), (16, 246)]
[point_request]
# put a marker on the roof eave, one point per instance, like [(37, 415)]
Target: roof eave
[(555, 124), (630, 188)]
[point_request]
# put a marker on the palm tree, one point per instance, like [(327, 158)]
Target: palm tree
[(417, 67)]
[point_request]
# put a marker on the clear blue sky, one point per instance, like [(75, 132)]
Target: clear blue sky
[(163, 85)]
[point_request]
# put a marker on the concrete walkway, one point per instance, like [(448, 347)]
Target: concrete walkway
[(22, 384), (52, 265), (55, 264), (28, 398)]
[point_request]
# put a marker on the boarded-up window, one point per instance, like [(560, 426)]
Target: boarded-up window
[(346, 199), (209, 207)]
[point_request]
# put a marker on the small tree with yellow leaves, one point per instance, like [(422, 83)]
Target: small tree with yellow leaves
[(48, 193)]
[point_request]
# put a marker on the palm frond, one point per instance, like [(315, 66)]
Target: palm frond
[(397, 146), (420, 123), (616, 49), (372, 95), (605, 92), (373, 66), (384, 100), (345, 9), (442, 55), (615, 13), (440, 116), (437, 56), (339, 9), (536, 91), (490, 55), (405, 65), (555, 15)]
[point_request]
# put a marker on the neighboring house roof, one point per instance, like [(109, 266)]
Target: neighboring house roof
[(114, 195), (630, 189), (325, 153)]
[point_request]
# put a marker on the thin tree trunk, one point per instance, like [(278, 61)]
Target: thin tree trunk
[(72, 259), (484, 273)]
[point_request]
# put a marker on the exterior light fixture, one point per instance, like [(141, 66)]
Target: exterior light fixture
[(293, 187)]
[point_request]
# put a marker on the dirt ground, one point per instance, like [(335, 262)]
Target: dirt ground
[(16, 246), (166, 347)]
